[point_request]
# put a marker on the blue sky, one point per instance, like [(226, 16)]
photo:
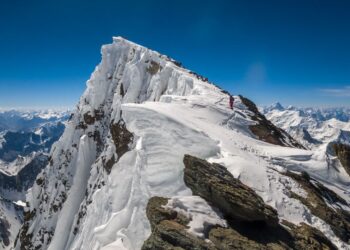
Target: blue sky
[(292, 51)]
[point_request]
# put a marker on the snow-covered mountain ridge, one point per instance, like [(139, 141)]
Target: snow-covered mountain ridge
[(125, 143)]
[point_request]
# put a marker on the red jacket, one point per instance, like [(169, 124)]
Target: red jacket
[(231, 102)]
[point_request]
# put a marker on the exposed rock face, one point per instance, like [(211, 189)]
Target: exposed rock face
[(252, 224), (121, 137), (304, 237), (324, 204), (342, 151), (307, 237), (153, 68), (169, 229), (265, 130), (215, 184), (91, 119)]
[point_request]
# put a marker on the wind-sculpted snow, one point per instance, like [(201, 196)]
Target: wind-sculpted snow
[(125, 143)]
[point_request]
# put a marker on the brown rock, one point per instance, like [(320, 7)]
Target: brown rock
[(342, 151), (317, 195), (266, 130), (234, 199)]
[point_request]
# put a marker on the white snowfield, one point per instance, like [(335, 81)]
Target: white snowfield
[(171, 112)]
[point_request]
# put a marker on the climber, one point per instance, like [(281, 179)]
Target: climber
[(231, 101)]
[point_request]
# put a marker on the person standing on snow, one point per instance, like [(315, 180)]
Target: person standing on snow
[(231, 101)]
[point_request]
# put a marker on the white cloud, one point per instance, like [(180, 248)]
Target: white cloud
[(337, 92)]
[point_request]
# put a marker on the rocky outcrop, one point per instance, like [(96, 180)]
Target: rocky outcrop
[(342, 151), (304, 237), (324, 204), (169, 230), (251, 223), (265, 130), (122, 139), (236, 200)]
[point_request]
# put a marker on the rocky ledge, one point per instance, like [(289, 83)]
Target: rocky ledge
[(342, 151), (324, 203), (251, 224), (265, 130)]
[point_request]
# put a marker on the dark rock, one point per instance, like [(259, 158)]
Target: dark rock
[(153, 68), (307, 237), (260, 231), (122, 92), (342, 151), (317, 198), (229, 239), (90, 119), (199, 77), (169, 231), (109, 163), (236, 200), (122, 139), (170, 235), (23, 237), (266, 130), (157, 213)]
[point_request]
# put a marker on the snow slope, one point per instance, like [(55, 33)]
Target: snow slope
[(170, 111)]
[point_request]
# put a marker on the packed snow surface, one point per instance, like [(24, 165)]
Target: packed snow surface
[(171, 112)]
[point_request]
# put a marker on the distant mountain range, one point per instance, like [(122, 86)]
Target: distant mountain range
[(23, 134), (318, 114), (312, 127), (27, 121), (26, 138)]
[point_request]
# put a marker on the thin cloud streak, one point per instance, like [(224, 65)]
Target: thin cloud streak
[(337, 92)]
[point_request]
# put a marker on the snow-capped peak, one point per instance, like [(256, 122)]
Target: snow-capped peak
[(125, 143), (277, 106)]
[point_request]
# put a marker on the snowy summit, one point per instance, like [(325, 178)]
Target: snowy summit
[(154, 154)]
